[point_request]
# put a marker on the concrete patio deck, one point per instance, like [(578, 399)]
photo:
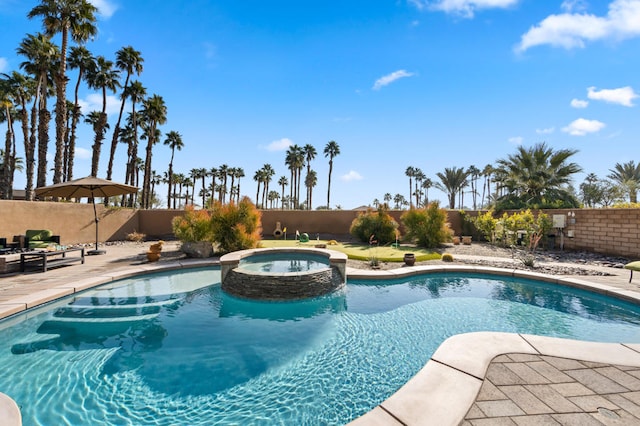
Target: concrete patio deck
[(472, 379)]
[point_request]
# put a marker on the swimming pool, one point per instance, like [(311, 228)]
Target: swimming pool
[(172, 348)]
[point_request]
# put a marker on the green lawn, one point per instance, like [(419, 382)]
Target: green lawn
[(361, 251)]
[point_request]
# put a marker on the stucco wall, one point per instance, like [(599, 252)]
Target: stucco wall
[(607, 231)]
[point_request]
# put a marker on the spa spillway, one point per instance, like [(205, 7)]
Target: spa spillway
[(289, 273)]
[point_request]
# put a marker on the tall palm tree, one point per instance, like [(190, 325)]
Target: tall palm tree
[(487, 172), (310, 182), (387, 199), (75, 18), (104, 77), (239, 174), (41, 55), (258, 176), (282, 181), (628, 176), (154, 114), (426, 184), (7, 113), (294, 160), (267, 176), (451, 182), (309, 154), (331, 150), (136, 93), (81, 59), (20, 90), (174, 141), (410, 173), (474, 173), (223, 172), (537, 177), (130, 61), (418, 176)]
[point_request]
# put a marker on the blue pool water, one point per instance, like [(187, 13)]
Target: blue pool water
[(173, 349), (284, 262)]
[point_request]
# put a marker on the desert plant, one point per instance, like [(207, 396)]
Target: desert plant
[(427, 227), (193, 226), (447, 257), (486, 223), (135, 236), (378, 223), (236, 226)]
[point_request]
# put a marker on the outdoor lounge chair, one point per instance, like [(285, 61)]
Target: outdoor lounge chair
[(633, 266), (40, 238)]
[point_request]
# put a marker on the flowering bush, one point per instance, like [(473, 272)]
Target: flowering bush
[(194, 226)]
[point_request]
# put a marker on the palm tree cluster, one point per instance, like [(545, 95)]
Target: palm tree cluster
[(535, 177), (44, 75)]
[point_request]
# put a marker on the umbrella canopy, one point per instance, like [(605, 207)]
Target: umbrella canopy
[(90, 187)]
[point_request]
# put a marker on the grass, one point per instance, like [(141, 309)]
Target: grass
[(361, 251)]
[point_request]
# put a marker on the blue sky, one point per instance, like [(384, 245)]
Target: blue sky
[(422, 83)]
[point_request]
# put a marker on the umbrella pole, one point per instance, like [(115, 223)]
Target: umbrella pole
[(95, 216)]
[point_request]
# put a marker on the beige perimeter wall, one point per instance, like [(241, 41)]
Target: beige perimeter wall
[(607, 231)]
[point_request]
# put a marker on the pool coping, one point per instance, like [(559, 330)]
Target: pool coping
[(445, 388)]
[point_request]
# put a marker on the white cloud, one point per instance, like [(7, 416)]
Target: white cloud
[(573, 5), (279, 145), (579, 103), (82, 153), (516, 140), (622, 95), (105, 7), (582, 126), (546, 131), (93, 102), (4, 64), (352, 175), (464, 8), (390, 78), (571, 30)]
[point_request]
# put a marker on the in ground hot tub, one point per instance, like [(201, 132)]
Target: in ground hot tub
[(282, 273)]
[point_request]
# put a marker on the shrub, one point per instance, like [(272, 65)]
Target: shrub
[(236, 226), (135, 236), (427, 227), (378, 223), (193, 226), (447, 257), (486, 224)]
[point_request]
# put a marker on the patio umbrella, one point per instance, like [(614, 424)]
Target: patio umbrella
[(90, 187)]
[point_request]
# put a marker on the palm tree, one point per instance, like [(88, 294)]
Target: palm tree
[(258, 177), (81, 59), (331, 150), (410, 173), (294, 160), (387, 199), (130, 61), (136, 93), (75, 18), (267, 175), (102, 77), (537, 177), (487, 172), (628, 176), (41, 54), (272, 196), (474, 173), (426, 184), (282, 181), (223, 172), (451, 182), (154, 114), (174, 141), (310, 181), (20, 90), (239, 174), (309, 154)]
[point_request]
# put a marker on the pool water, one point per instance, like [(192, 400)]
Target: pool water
[(173, 349), (283, 262)]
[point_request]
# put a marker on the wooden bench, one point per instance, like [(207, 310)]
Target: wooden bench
[(633, 266), (48, 259)]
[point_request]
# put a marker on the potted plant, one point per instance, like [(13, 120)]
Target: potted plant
[(193, 229)]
